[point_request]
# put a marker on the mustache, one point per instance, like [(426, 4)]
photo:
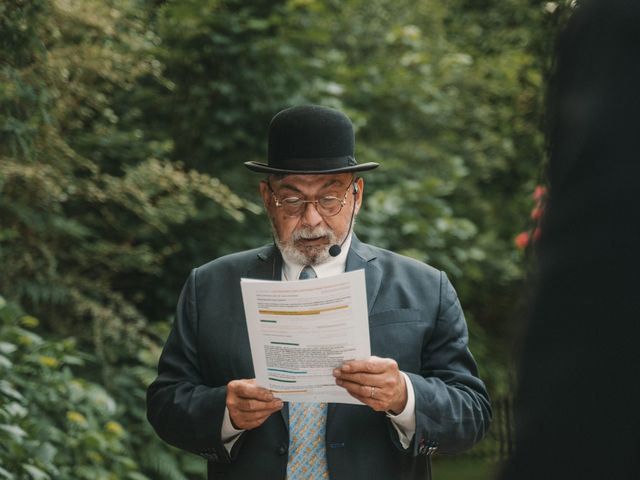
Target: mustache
[(306, 233)]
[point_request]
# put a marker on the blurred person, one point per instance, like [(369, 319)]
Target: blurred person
[(578, 398), (420, 389)]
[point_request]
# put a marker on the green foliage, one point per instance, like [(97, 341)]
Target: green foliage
[(123, 128), (94, 213), (54, 424), (57, 423), (230, 65), (65, 183)]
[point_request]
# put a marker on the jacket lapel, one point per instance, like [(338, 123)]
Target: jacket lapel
[(361, 256), (268, 264)]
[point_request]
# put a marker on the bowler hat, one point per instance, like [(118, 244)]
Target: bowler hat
[(310, 139)]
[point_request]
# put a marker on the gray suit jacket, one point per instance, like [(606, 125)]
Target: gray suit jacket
[(414, 317)]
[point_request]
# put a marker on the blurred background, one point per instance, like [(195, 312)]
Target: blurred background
[(123, 128)]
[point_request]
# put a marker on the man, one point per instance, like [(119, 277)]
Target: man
[(420, 388)]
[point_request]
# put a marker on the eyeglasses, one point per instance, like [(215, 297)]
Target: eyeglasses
[(328, 206)]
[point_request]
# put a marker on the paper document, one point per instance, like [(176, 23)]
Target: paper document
[(300, 331)]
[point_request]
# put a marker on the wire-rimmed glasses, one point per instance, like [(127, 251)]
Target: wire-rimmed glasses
[(327, 206)]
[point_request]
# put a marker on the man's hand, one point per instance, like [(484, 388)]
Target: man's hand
[(376, 382), (250, 405)]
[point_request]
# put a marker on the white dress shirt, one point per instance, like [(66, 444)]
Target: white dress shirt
[(404, 422)]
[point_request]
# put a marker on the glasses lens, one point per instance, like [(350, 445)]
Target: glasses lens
[(329, 206), (293, 206)]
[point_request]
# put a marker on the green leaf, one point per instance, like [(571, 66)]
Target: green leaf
[(7, 389), (137, 476), (5, 362), (162, 463), (14, 409), (35, 472), (72, 360), (28, 338), (46, 454), (7, 348), (6, 475), (14, 431)]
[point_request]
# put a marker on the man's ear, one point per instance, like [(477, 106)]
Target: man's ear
[(358, 190)]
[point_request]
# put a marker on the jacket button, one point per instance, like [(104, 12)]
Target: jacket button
[(282, 449)]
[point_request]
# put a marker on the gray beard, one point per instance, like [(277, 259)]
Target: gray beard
[(312, 255)]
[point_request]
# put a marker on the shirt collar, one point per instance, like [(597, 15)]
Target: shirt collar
[(333, 266)]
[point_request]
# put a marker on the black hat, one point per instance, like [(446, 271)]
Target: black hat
[(310, 139)]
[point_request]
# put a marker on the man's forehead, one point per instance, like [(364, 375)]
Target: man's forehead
[(312, 180)]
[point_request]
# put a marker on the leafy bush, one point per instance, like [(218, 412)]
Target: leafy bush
[(53, 423), (56, 423)]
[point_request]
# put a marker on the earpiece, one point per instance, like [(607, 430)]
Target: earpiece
[(355, 188)]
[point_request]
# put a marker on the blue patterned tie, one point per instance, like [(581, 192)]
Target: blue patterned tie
[(307, 455), (307, 273)]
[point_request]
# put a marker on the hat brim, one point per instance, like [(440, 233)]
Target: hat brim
[(264, 168)]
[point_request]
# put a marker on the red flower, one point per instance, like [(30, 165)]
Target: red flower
[(522, 240), (539, 192), (536, 213)]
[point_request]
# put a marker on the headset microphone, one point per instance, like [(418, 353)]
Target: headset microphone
[(335, 250)]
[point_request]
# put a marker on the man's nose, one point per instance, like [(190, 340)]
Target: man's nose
[(310, 216)]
